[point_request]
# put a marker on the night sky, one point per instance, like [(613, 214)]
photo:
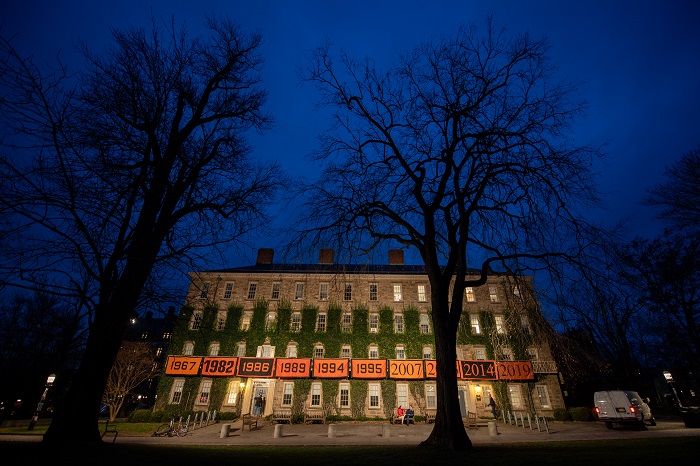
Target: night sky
[(638, 63)]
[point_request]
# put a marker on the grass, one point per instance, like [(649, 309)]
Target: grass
[(621, 452)]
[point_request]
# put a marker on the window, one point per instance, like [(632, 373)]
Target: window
[(299, 291), (427, 352), (295, 325), (476, 327), (234, 388), (542, 395), (373, 352), (346, 323), (214, 349), (347, 295), (323, 292), (321, 322), (245, 322), (424, 324), (196, 320), (516, 291), (397, 293), (252, 288), (469, 293), (344, 395), (144, 336), (532, 354), (205, 290), (506, 354), (240, 349), (398, 323), (373, 293), (318, 351), (422, 296), (401, 394), (373, 323), (220, 320), (176, 394), (204, 391), (316, 394), (345, 352), (292, 350), (167, 335), (499, 324), (228, 290), (374, 395), (514, 395), (270, 321), (492, 294), (188, 349), (265, 350), (287, 392), (525, 322), (430, 398), (400, 352), (275, 291), (480, 354), (159, 351)]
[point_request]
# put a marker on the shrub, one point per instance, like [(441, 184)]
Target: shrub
[(561, 414), (227, 416), (158, 416), (140, 415), (580, 413)]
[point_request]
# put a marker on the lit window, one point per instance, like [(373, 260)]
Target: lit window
[(188, 349), (270, 321), (373, 294), (430, 398), (543, 396), (499, 324), (204, 392), (232, 394), (345, 351), (402, 394), (295, 325), (176, 396), (287, 392), (240, 350), (318, 351), (166, 335), (266, 351), (427, 352), (252, 288), (422, 296), (373, 323), (299, 291), (220, 320), (196, 320), (469, 293), (323, 292), (144, 336), (292, 350), (492, 294), (397, 293), (347, 295), (476, 327), (275, 291), (514, 395), (344, 395), (424, 324), (346, 323), (398, 323), (374, 395), (373, 352), (245, 322), (214, 349), (205, 290), (316, 394), (228, 290), (159, 352), (321, 322)]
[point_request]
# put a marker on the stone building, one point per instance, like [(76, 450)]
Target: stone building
[(352, 341)]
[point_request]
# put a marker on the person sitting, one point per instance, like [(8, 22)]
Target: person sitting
[(408, 415), (400, 414)]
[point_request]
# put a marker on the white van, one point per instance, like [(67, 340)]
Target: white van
[(622, 407)]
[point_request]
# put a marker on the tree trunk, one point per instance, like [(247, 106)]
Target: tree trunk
[(448, 430)]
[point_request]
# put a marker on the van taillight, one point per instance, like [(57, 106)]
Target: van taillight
[(633, 409), (597, 410)]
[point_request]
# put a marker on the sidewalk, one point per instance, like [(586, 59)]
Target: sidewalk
[(376, 434)]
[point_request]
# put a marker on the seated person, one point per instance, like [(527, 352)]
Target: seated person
[(400, 414), (408, 415)]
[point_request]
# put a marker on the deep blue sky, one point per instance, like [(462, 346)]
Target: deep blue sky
[(638, 61)]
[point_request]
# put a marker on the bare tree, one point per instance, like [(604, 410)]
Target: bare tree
[(458, 151), (133, 366), (113, 176), (679, 197)]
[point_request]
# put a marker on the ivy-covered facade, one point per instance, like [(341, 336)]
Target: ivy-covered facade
[(329, 311)]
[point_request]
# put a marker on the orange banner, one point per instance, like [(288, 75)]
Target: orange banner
[(182, 365), (219, 367), (331, 368), (406, 369), (515, 370), (369, 368), (292, 368)]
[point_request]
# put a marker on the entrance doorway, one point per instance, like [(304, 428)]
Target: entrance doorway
[(259, 389)]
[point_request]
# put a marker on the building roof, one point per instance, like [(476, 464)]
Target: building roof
[(374, 269)]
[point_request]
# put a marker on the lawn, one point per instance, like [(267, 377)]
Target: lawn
[(621, 452)]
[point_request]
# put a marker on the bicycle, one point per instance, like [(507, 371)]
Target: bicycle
[(171, 430)]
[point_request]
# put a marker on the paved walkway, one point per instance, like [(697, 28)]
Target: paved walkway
[(377, 434)]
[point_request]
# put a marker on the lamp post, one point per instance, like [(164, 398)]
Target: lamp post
[(669, 379), (40, 405)]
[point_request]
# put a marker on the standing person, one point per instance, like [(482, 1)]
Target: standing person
[(493, 407), (257, 404)]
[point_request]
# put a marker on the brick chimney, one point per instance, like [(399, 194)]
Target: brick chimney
[(265, 256), (396, 257), (326, 256)]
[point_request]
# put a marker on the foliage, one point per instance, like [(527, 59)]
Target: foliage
[(561, 414), (133, 366), (580, 413)]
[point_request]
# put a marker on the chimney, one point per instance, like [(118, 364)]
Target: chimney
[(396, 257), (326, 256), (265, 256)]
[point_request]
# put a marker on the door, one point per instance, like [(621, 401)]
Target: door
[(463, 400), (259, 388)]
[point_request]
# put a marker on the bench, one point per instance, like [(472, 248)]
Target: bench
[(471, 420), (281, 415), (110, 428), (430, 417), (396, 419), (314, 415), (249, 421)]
